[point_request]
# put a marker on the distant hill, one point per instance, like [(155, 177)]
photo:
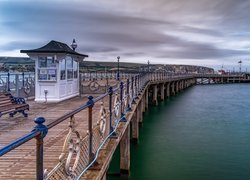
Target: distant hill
[(88, 66), (102, 66), (16, 61)]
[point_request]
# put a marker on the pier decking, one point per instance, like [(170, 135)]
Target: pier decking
[(20, 163)]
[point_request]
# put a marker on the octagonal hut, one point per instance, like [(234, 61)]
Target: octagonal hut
[(56, 71)]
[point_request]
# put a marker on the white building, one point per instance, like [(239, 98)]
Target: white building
[(56, 71)]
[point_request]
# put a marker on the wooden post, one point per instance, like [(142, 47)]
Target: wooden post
[(180, 86), (155, 100), (173, 87), (146, 96), (140, 112), (162, 92), (177, 87), (135, 127), (125, 153), (168, 85), (143, 102), (39, 146), (91, 104)]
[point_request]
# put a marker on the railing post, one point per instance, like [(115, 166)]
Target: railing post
[(140, 84), (8, 82), (23, 78), (128, 95), (136, 86), (132, 86), (123, 118), (39, 146), (110, 92), (80, 84), (17, 85), (133, 91), (90, 108)]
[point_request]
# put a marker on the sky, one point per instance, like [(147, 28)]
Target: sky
[(211, 33)]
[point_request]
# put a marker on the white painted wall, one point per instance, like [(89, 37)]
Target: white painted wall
[(56, 90)]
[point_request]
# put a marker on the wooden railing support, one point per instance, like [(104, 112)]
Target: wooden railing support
[(125, 153), (39, 146), (90, 128)]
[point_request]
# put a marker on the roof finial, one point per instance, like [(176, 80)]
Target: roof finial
[(74, 45)]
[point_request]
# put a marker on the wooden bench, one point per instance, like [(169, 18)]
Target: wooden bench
[(11, 105)]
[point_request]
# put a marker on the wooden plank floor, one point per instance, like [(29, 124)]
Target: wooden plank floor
[(20, 163)]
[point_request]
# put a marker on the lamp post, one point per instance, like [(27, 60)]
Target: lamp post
[(240, 65), (73, 44), (118, 66), (148, 65), (106, 76)]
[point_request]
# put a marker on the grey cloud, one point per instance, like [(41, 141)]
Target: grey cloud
[(202, 53), (137, 31), (15, 45), (95, 49)]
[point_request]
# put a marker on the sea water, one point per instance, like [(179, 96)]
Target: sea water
[(203, 133)]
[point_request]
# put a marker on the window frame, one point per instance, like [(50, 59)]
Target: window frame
[(47, 69)]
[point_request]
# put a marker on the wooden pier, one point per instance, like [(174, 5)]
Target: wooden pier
[(85, 131)]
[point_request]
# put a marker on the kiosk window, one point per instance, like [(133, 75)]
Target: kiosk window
[(75, 69), (46, 69), (69, 65), (63, 70)]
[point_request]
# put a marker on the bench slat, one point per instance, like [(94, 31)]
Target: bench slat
[(8, 105)]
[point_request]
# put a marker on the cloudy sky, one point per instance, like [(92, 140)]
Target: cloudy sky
[(199, 32)]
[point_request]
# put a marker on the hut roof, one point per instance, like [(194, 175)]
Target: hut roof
[(54, 47)]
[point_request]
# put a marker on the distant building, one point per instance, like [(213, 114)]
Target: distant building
[(221, 71)]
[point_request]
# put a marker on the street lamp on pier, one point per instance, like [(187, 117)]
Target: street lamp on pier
[(240, 65), (118, 68), (148, 65), (74, 45)]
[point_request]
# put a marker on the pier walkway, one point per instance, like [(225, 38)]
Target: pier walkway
[(83, 133), (20, 163)]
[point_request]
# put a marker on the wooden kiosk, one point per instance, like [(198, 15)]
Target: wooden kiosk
[(56, 71)]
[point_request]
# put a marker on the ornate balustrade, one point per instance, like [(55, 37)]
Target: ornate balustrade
[(19, 84), (90, 76)]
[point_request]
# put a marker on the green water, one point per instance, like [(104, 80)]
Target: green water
[(201, 134)]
